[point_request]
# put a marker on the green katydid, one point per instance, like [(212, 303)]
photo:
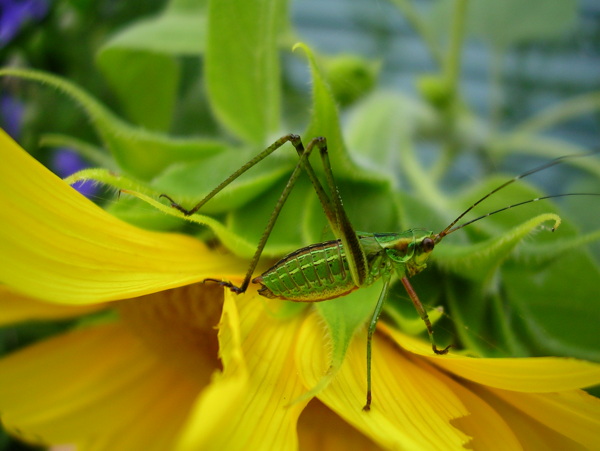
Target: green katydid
[(330, 269)]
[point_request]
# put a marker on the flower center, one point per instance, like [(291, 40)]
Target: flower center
[(180, 325)]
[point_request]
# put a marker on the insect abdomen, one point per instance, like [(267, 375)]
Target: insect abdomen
[(311, 274)]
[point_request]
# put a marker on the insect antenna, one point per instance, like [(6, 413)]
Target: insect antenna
[(454, 229), (450, 228)]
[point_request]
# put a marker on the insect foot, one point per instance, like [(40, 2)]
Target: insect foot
[(234, 288), (176, 205), (441, 351)]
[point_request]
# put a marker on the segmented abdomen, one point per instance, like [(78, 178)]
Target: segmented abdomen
[(314, 273)]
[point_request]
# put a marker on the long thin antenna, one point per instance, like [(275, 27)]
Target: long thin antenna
[(551, 163), (448, 232)]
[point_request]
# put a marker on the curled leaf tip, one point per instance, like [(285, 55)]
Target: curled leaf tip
[(299, 45), (557, 222)]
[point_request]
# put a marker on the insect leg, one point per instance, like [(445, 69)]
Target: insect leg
[(295, 139), (423, 314), (278, 206), (357, 261), (371, 331), (325, 200)]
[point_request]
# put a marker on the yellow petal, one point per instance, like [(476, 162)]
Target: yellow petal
[(97, 387), (256, 413), (220, 400), (484, 424), (412, 406), (16, 308), (58, 246), (574, 414), (178, 326), (536, 375), (531, 433), (320, 428)]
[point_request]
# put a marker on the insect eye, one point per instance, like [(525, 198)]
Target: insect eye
[(428, 244)]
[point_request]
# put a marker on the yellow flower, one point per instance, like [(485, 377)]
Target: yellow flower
[(158, 376)]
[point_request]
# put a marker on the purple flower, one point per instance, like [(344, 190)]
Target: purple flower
[(11, 115), (66, 162), (16, 13)]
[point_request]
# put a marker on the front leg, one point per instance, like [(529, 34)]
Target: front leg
[(424, 316)]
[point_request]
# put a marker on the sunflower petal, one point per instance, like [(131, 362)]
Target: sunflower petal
[(484, 425), (58, 246), (575, 414), (320, 428), (532, 433), (219, 401), (100, 387), (412, 407), (15, 308), (535, 375), (256, 414)]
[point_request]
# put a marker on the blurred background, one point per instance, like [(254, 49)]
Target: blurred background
[(511, 70), (505, 78)]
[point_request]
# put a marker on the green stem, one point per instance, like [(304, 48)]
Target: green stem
[(424, 187), (564, 111), (452, 69), (443, 162), (452, 63), (411, 14), (496, 88)]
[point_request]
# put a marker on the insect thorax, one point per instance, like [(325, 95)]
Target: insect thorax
[(407, 251)]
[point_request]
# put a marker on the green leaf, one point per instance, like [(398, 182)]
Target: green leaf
[(416, 213), (139, 61), (250, 220), (133, 75), (344, 317), (370, 208), (382, 124), (139, 213), (190, 182), (496, 237), (558, 305), (401, 311), (538, 253), (111, 179), (235, 243), (179, 30), (480, 320), (479, 261), (325, 120), (488, 317), (498, 223), (138, 152), (242, 65), (302, 220)]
